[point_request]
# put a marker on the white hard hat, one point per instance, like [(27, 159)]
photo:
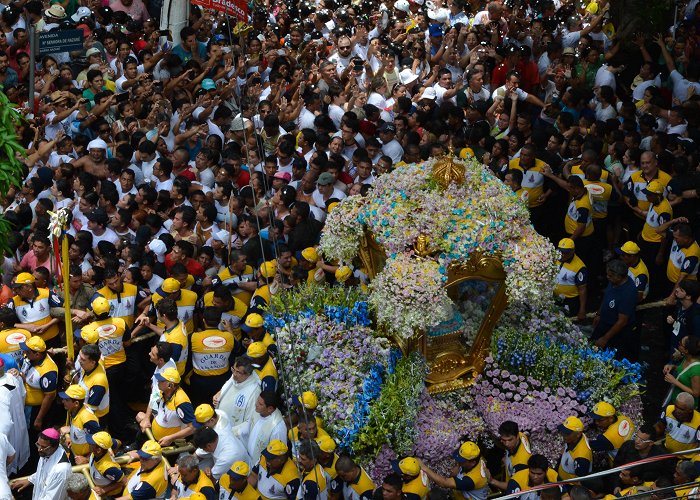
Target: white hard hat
[(402, 5)]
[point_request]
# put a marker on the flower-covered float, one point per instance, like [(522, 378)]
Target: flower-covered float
[(457, 331)]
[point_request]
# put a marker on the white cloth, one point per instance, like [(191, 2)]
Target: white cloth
[(238, 400), (12, 390), (50, 477), (6, 451), (264, 430)]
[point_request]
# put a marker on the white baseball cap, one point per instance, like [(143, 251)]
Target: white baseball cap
[(429, 93)]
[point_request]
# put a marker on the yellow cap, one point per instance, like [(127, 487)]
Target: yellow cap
[(310, 254), (256, 350), (308, 400), (169, 375), (35, 344), (276, 448), (571, 424), (170, 285), (254, 320), (343, 273), (100, 305), (268, 269), (654, 187), (73, 392), (24, 279), (408, 466), (89, 335), (468, 451), (239, 470), (331, 206), (592, 8), (203, 413), (630, 248), (566, 244), (326, 444), (101, 439), (150, 449), (195, 496), (603, 410)]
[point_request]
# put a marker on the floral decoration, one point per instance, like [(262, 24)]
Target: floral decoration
[(479, 216), (335, 361), (343, 231), (408, 295)]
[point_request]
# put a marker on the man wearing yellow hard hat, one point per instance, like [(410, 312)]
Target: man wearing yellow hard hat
[(235, 483), (104, 471), (147, 478), (254, 327), (577, 458), (415, 481), (630, 253), (266, 277), (471, 479), (174, 418), (616, 429), (264, 366), (572, 278), (81, 422), (40, 375), (275, 476)]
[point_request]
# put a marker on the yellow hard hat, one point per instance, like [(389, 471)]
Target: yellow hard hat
[(310, 254), (343, 273), (571, 424), (169, 375), (100, 306), (170, 285), (256, 350), (268, 269), (24, 279), (468, 451), (603, 410), (566, 244)]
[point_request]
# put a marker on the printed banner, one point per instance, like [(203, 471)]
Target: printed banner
[(233, 8)]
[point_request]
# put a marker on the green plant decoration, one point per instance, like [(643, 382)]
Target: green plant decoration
[(10, 150)]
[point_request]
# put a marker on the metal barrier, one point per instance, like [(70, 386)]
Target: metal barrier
[(614, 470)]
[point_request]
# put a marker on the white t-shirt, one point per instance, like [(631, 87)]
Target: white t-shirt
[(681, 86), (6, 450)]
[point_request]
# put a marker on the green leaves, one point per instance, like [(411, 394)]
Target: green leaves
[(10, 165)]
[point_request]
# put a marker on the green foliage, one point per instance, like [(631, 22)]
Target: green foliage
[(313, 297), (392, 418), (10, 166)]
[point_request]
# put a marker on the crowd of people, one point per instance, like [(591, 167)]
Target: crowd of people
[(197, 177)]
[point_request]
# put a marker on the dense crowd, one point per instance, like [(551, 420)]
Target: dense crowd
[(197, 177)]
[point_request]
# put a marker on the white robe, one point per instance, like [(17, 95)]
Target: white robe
[(238, 400), (12, 391), (6, 450), (264, 430), (50, 477)]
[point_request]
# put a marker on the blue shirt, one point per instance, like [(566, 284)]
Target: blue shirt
[(186, 55), (618, 300)]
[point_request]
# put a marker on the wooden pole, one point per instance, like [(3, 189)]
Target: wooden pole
[(65, 271)]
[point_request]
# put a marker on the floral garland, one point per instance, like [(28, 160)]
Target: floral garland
[(408, 295), (332, 359), (481, 215), (342, 232), (593, 375)]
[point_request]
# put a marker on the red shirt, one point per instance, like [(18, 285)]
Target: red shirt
[(193, 267), (243, 179)]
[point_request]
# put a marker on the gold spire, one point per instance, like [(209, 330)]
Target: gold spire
[(446, 170)]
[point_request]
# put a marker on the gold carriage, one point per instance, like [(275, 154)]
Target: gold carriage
[(455, 349)]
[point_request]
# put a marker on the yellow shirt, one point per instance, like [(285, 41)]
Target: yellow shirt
[(533, 180), (637, 183), (571, 275), (10, 339), (577, 458), (580, 211), (38, 311), (683, 260), (111, 341), (640, 276), (123, 304), (234, 316), (211, 350), (39, 379), (227, 277), (657, 215), (472, 484), (97, 389), (177, 336), (681, 436), (600, 201), (518, 460)]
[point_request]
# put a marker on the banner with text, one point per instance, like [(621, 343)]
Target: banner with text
[(233, 8)]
